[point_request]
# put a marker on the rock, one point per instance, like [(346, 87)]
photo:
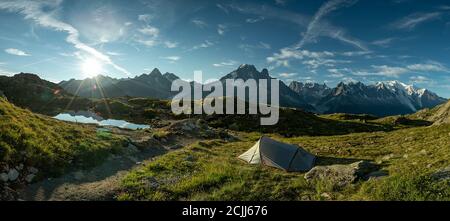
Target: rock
[(33, 170), (13, 174), (78, 175), (4, 177), (29, 178), (190, 158), (442, 174), (341, 175), (326, 196), (20, 167)]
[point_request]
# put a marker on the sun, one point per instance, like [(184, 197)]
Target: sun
[(91, 67)]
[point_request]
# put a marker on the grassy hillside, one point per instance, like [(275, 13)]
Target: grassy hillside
[(51, 146), (210, 170), (41, 96)]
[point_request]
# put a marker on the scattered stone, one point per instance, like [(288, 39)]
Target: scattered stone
[(4, 177), (29, 178), (13, 174), (341, 175), (19, 167)]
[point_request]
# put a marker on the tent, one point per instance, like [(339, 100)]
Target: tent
[(279, 155)]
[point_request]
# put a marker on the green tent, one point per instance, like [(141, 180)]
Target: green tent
[(279, 155)]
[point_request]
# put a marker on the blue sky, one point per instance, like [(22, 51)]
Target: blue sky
[(319, 41)]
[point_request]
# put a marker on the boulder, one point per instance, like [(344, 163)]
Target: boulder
[(13, 174), (341, 175)]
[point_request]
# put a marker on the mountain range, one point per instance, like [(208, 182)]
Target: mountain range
[(380, 99)]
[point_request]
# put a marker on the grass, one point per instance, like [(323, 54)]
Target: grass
[(51, 146), (210, 170)]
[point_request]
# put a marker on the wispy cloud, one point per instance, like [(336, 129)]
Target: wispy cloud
[(385, 42), (223, 8), (412, 21), (288, 54), (430, 66), (170, 44), (287, 75), (251, 47), (149, 31), (205, 44), (396, 71), (221, 28), (254, 20), (17, 52), (315, 27), (225, 63), (172, 58), (199, 23), (34, 10), (145, 18)]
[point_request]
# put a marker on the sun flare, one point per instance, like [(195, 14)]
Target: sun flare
[(91, 67)]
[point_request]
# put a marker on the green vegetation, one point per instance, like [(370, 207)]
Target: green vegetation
[(210, 170), (51, 146)]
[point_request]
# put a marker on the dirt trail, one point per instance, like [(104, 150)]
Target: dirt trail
[(99, 183), (103, 181)]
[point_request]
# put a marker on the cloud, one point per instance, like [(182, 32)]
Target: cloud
[(287, 75), (250, 47), (145, 18), (335, 73), (199, 23), (420, 80), (149, 43), (396, 71), (170, 44), (356, 53), (16, 52), (288, 54), (34, 10), (223, 8), (150, 31), (112, 53), (383, 42), (431, 66), (225, 63), (315, 27), (412, 21), (254, 20), (205, 44), (172, 58), (221, 28)]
